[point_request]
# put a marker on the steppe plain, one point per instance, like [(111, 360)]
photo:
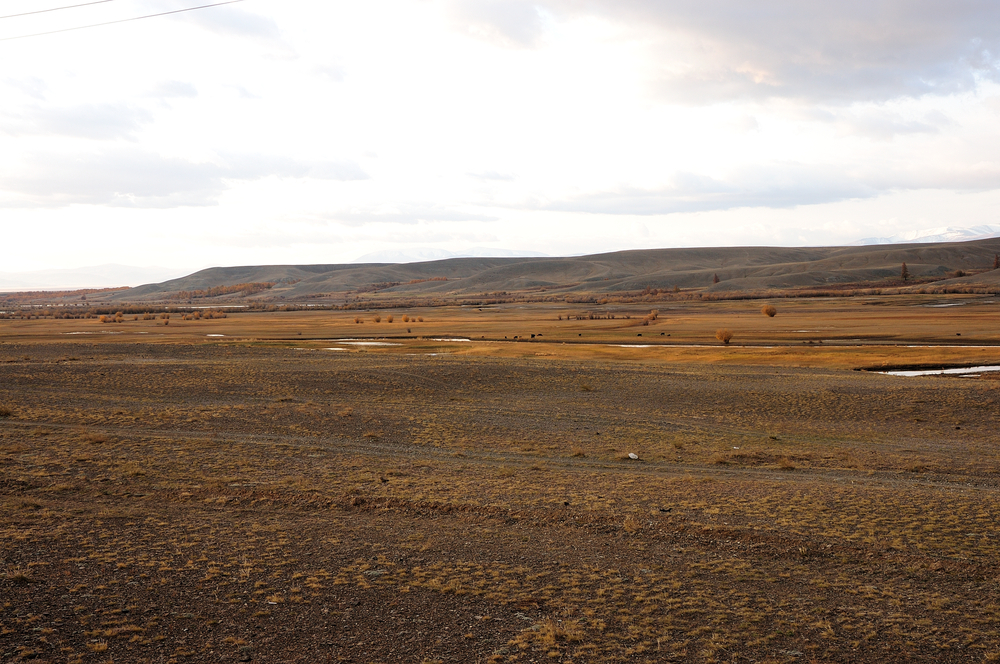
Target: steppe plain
[(299, 487)]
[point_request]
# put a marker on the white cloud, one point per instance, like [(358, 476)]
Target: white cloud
[(93, 121), (316, 132), (790, 185), (505, 22), (173, 90), (33, 87), (405, 214), (234, 21), (852, 50), (131, 177)]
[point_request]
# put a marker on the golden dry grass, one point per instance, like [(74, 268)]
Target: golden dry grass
[(194, 498)]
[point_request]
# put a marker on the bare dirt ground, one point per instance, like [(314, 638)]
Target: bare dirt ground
[(196, 499)]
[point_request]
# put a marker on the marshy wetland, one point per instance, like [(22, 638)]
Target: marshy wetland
[(435, 491)]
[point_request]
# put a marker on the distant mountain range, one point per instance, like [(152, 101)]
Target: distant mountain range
[(948, 234), (97, 276)]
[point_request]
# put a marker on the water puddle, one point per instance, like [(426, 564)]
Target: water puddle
[(371, 343), (961, 371)]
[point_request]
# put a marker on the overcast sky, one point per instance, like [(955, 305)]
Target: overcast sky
[(304, 131)]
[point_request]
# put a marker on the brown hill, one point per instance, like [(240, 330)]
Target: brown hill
[(738, 269)]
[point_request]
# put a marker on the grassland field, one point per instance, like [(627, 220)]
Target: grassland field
[(301, 487)]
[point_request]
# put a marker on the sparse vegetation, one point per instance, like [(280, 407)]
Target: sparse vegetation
[(258, 496), (244, 290)]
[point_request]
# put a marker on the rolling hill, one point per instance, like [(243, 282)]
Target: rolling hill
[(738, 269)]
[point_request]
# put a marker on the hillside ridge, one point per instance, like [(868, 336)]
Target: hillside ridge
[(737, 269)]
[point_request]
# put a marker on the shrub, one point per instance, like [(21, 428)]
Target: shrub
[(724, 336), (904, 273), (768, 310), (406, 319), (388, 318), (378, 319), (631, 524), (357, 319), (5, 412), (420, 319)]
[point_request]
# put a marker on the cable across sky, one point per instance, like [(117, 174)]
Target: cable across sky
[(123, 20), (56, 9)]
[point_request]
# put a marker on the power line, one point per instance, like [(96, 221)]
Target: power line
[(123, 20), (55, 9)]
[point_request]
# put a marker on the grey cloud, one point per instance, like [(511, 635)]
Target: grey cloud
[(95, 121), (877, 122), (235, 21), (405, 214), (244, 93), (334, 72), (337, 171), (118, 178), (781, 187), (509, 22), (172, 89), (844, 51), (136, 178), (31, 87), (885, 128), (492, 175), (253, 166)]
